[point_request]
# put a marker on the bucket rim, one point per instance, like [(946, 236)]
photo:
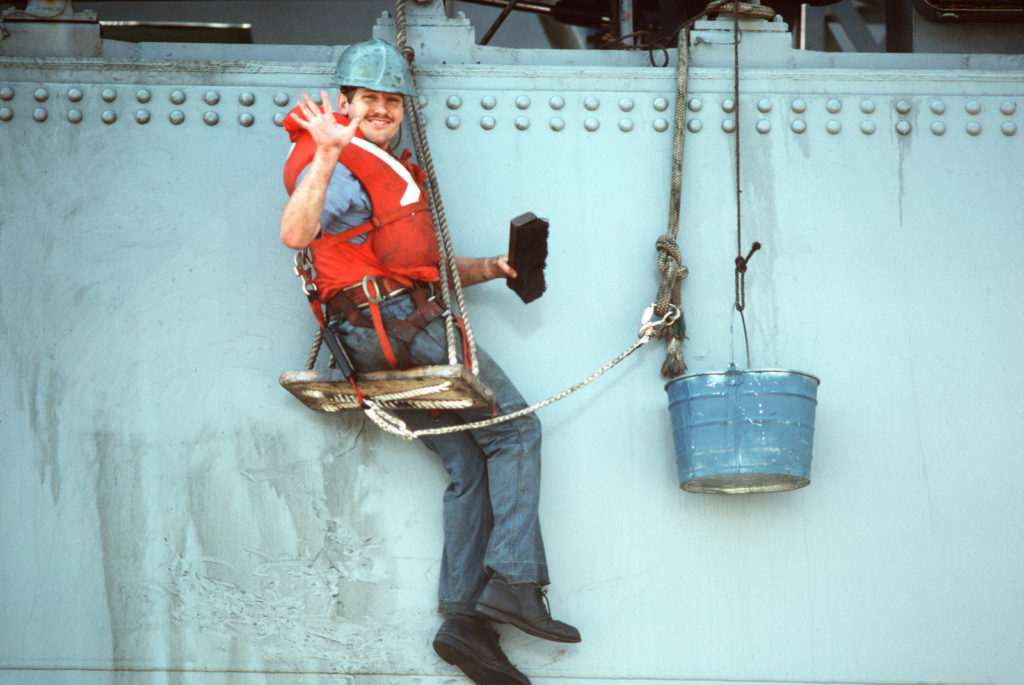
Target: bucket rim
[(735, 371)]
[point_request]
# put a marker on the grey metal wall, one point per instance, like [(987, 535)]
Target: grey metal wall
[(169, 514)]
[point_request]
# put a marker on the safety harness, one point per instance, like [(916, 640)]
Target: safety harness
[(348, 281)]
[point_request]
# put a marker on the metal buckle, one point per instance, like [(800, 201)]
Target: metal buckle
[(380, 296)]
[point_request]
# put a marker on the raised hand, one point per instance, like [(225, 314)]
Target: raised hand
[(327, 132)]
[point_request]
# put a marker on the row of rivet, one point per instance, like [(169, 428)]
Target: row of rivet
[(142, 116), (903, 127), (557, 102), (833, 106), (143, 95), (867, 106), (523, 102)]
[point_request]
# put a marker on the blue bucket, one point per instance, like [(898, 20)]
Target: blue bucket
[(743, 431)]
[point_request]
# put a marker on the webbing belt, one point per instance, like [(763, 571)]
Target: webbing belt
[(342, 306)]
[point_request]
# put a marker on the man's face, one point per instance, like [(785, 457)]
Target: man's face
[(382, 113)]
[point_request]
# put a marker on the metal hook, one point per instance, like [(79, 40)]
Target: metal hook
[(650, 327)]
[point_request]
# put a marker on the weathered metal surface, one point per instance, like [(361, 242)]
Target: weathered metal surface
[(160, 488)]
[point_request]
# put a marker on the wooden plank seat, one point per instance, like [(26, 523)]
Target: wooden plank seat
[(431, 387)]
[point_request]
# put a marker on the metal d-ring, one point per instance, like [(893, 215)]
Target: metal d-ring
[(375, 299)]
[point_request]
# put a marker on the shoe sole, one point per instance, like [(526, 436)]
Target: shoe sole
[(458, 655), (501, 617)]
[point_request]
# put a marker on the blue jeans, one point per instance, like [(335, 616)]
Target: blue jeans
[(491, 523)]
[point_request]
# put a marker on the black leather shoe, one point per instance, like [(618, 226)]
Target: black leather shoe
[(468, 643), (524, 605)]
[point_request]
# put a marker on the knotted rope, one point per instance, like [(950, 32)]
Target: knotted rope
[(669, 256)]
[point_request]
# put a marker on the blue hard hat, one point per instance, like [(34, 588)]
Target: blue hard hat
[(376, 65)]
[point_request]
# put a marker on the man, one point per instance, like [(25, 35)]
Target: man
[(362, 213)]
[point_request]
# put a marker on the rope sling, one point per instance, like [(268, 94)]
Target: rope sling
[(662, 319)]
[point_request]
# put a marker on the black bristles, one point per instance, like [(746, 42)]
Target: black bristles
[(527, 254)]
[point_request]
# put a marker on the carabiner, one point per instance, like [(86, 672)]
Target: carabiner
[(649, 328)]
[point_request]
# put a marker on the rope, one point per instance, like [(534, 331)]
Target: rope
[(740, 273), (449, 269), (669, 256), (394, 425)]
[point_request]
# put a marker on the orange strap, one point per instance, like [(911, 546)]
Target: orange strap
[(378, 322), (377, 221)]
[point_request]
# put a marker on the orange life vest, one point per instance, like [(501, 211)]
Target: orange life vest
[(401, 244)]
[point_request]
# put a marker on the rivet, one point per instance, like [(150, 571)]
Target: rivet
[(764, 105), (246, 100), (75, 94), (176, 117), (903, 107), (556, 102), (522, 102), (833, 127), (903, 127), (423, 101), (74, 115), (626, 104), (177, 97), (695, 104), (833, 106), (487, 123), (318, 99), (108, 95), (799, 106), (453, 102), (41, 94), (1008, 128), (6, 113), (6, 93), (488, 102), (522, 123), (660, 104), (39, 114), (973, 128), (452, 122), (591, 124), (867, 106), (938, 107), (798, 126), (973, 107), (280, 99), (592, 103), (660, 125), (109, 116), (246, 119), (211, 97), (763, 126), (625, 125), (279, 119), (557, 124), (728, 105), (142, 116), (694, 125), (867, 127), (1008, 108), (211, 118), (728, 125)]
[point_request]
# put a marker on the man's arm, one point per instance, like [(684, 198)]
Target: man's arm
[(300, 219), (473, 270)]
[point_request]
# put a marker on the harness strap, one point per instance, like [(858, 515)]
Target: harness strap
[(379, 220), (401, 330)]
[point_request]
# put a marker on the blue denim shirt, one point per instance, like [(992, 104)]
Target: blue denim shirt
[(346, 204)]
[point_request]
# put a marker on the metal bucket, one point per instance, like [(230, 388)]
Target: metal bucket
[(743, 431)]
